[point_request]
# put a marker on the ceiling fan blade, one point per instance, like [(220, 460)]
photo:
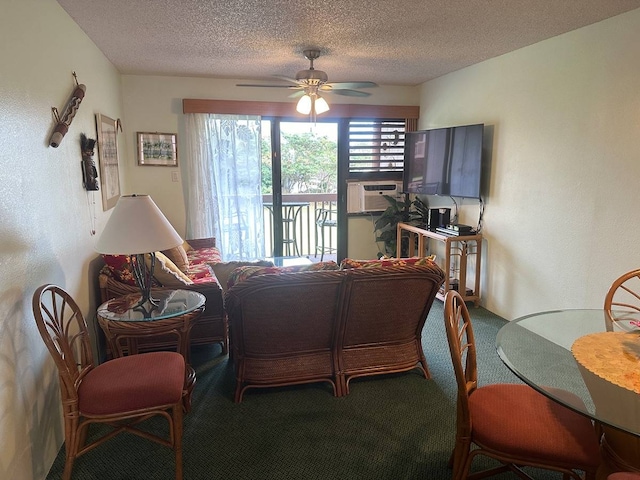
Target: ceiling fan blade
[(297, 94), (347, 92), (350, 85), (265, 85), (287, 79)]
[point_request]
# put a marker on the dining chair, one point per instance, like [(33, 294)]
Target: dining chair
[(622, 304), (511, 423), (119, 393), (623, 296)]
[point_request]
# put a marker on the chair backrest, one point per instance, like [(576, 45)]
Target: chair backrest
[(462, 346), (326, 216), (623, 296), (281, 315), (65, 334), (387, 305)]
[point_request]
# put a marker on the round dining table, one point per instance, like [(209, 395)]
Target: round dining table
[(597, 360)]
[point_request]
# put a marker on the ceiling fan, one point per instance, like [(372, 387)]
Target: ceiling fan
[(311, 82)]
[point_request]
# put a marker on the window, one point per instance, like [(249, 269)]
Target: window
[(375, 133), (376, 148)]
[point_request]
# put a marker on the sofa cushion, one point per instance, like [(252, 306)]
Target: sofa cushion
[(203, 255), (166, 272), (178, 255), (348, 263), (241, 274), (201, 273), (119, 267), (223, 270)]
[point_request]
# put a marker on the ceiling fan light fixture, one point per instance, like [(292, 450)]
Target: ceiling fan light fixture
[(321, 105), (310, 82), (304, 104)]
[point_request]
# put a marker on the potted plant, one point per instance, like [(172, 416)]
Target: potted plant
[(399, 211)]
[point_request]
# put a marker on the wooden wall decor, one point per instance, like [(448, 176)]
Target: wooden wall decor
[(108, 155), (63, 121), (89, 171)]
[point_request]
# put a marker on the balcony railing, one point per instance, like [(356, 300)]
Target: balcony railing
[(301, 234)]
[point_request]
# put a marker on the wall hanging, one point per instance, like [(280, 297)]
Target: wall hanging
[(108, 155), (63, 121), (157, 149), (89, 171)]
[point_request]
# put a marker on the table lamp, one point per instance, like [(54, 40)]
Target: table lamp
[(136, 228)]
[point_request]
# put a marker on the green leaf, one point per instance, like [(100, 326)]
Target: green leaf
[(404, 210)]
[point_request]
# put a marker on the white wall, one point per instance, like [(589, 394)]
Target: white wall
[(46, 215), (560, 217)]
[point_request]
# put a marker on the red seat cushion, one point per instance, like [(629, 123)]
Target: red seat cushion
[(624, 476), (132, 383), (517, 420)]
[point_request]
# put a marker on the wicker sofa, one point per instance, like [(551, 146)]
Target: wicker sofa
[(329, 326), (201, 253)]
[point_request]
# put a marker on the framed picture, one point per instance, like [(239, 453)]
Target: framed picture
[(157, 149), (108, 156)]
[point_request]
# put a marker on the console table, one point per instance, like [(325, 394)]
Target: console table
[(461, 246)]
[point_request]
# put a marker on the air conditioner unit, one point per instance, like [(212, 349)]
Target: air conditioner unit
[(368, 196)]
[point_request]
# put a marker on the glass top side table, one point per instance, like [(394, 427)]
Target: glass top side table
[(171, 303)]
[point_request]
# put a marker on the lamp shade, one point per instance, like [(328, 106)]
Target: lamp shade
[(137, 226)]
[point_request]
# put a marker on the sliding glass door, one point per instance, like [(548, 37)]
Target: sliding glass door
[(299, 186)]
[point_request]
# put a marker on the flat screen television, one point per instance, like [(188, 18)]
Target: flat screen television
[(444, 161)]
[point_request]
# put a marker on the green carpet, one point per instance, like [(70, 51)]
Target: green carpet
[(389, 427)]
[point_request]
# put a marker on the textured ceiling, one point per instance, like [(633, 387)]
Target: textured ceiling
[(384, 41)]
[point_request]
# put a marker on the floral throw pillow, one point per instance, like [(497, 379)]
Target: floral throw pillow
[(348, 263), (119, 267), (165, 272), (203, 255)]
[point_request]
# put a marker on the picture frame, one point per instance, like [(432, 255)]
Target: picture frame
[(107, 129), (157, 149)]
